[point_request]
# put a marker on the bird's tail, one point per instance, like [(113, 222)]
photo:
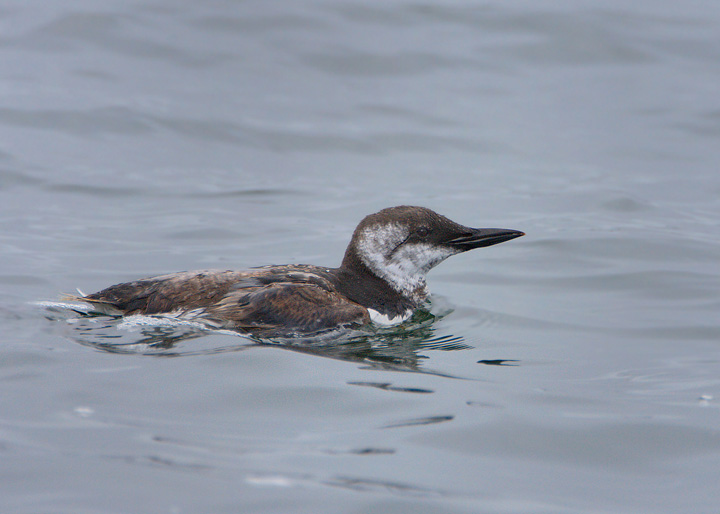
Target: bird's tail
[(100, 306)]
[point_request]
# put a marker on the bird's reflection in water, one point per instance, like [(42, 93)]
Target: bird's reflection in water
[(390, 348)]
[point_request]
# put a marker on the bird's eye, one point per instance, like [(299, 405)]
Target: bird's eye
[(422, 232)]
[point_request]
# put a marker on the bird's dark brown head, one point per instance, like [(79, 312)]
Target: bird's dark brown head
[(401, 244)]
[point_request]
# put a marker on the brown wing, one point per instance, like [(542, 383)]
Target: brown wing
[(178, 291), (279, 299), (286, 308)]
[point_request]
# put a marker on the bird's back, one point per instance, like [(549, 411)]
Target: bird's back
[(293, 298)]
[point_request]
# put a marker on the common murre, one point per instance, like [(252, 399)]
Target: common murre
[(381, 279)]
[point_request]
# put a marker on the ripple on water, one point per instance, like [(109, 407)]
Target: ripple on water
[(393, 348)]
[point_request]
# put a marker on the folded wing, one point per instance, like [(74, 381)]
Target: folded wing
[(273, 299)]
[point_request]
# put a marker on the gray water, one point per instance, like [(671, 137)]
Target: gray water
[(575, 370)]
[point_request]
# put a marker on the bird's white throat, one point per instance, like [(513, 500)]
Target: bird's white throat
[(385, 251)]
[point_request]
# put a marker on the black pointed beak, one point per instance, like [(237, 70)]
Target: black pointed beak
[(479, 237)]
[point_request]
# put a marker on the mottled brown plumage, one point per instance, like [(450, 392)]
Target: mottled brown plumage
[(382, 275), (259, 299)]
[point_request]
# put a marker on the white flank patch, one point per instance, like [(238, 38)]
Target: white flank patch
[(384, 319)]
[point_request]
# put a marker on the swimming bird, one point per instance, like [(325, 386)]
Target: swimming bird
[(381, 279)]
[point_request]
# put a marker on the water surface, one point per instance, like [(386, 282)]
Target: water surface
[(573, 370)]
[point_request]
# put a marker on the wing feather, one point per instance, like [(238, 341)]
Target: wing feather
[(280, 299), (283, 306)]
